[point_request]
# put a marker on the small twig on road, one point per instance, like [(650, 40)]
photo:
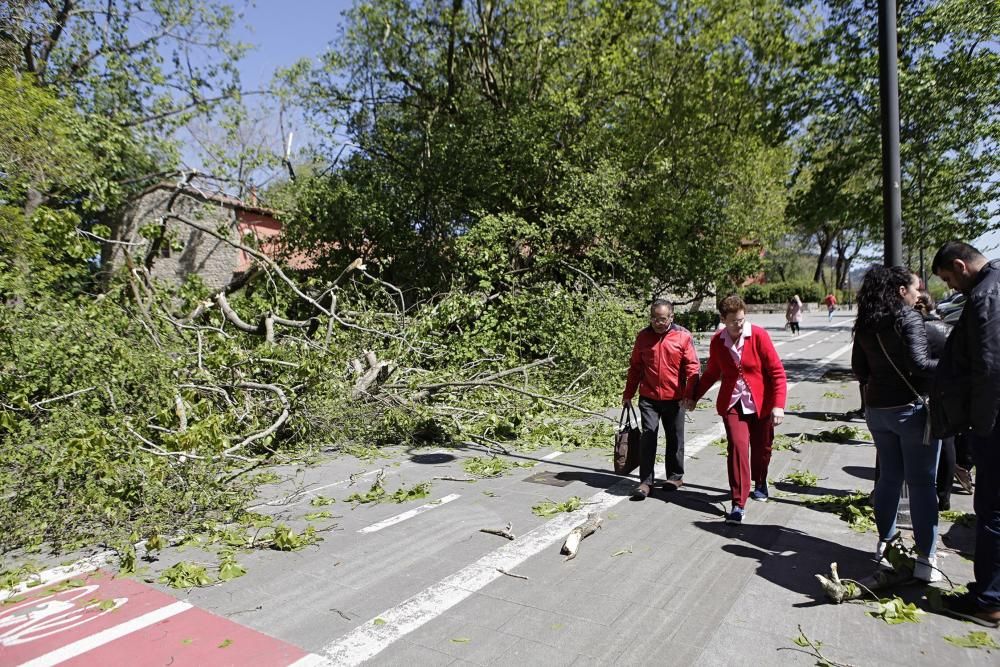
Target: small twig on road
[(511, 574), (501, 532)]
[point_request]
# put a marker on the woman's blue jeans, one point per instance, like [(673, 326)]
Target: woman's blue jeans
[(902, 456)]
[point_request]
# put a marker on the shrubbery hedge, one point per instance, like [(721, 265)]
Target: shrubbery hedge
[(699, 320), (782, 292)]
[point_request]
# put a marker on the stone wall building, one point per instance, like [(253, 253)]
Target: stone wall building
[(187, 250)]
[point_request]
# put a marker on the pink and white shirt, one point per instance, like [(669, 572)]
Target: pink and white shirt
[(741, 392)]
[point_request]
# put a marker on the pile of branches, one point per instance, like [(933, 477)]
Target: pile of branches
[(162, 406)]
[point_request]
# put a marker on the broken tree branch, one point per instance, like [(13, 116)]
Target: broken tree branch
[(572, 544), (282, 418)]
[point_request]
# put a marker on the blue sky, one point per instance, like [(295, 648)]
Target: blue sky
[(283, 31)]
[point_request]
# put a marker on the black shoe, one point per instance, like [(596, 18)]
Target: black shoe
[(641, 492), (673, 484)]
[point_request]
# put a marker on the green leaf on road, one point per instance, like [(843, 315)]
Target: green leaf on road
[(975, 639)]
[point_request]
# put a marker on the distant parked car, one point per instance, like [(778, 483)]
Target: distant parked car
[(950, 308)]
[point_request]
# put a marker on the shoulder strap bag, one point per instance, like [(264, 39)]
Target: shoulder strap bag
[(923, 400)]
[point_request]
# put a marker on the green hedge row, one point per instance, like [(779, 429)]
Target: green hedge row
[(699, 320), (782, 292)]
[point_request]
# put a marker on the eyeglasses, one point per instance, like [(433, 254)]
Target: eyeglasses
[(661, 320)]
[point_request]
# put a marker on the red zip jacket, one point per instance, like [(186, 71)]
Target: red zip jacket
[(762, 370), (663, 366)]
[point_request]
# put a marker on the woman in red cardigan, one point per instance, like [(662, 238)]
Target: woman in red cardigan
[(751, 400)]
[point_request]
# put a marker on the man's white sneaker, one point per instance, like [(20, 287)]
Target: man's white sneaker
[(925, 569)]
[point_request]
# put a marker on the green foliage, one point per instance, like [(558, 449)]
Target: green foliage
[(801, 478), (852, 508), (493, 466), (548, 508), (966, 519), (378, 494), (415, 492), (782, 292), (975, 639), (841, 434), (185, 575), (468, 177), (833, 394), (229, 568), (283, 538), (947, 149), (895, 611), (321, 501), (697, 320)]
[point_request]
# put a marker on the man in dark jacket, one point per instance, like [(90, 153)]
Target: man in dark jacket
[(663, 368), (967, 387)]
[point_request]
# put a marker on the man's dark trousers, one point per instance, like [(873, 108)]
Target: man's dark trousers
[(651, 413), (986, 503)]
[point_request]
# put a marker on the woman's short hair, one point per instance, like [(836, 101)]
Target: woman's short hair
[(731, 304)]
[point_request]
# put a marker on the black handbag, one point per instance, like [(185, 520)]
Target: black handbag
[(627, 441)]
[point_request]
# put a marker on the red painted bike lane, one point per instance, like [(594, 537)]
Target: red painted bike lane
[(97, 619)]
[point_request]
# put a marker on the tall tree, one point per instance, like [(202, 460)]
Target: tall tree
[(949, 84), (550, 139)]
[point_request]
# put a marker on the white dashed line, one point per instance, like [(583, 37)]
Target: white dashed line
[(551, 455), (371, 638), (399, 518)]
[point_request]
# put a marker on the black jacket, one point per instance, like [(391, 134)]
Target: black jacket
[(905, 339), (967, 381), (937, 334)]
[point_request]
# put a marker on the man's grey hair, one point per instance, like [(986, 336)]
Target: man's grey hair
[(661, 302)]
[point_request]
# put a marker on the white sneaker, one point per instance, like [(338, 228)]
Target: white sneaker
[(880, 555), (925, 569)]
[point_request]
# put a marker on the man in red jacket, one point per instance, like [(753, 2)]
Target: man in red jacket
[(664, 367)]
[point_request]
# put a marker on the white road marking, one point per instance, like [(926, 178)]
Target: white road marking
[(311, 660), (101, 638), (551, 455), (821, 364), (370, 638), (283, 502), (399, 518), (796, 339)]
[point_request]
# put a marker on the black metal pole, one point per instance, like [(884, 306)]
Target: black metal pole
[(892, 215)]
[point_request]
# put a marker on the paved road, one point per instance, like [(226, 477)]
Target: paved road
[(664, 581)]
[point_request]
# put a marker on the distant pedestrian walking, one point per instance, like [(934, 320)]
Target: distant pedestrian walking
[(663, 367), (891, 358), (751, 400), (831, 305), (793, 314), (967, 389)]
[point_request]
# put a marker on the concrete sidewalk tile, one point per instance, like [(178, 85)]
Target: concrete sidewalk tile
[(407, 654), (526, 652), (558, 630), (601, 609), (462, 639), (488, 612)]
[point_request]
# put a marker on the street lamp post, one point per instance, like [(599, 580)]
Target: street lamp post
[(892, 213), (889, 102)]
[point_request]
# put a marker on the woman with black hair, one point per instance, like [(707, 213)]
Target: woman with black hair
[(892, 359)]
